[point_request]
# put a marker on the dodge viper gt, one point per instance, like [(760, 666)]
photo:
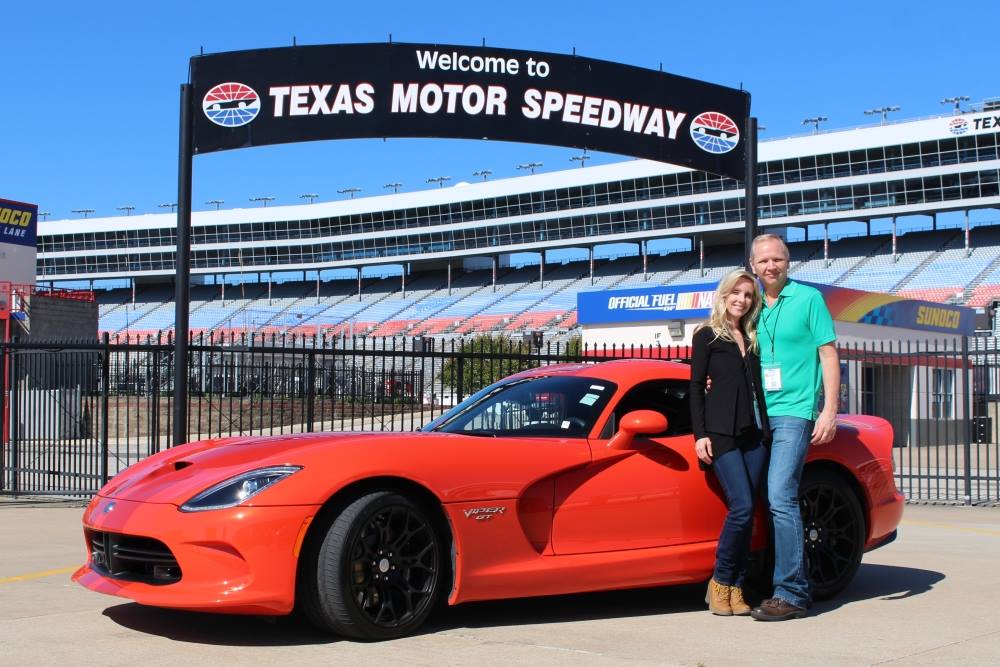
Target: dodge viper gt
[(556, 480)]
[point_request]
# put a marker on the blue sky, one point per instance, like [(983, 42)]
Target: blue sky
[(89, 117)]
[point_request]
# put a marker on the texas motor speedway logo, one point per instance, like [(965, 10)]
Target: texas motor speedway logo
[(715, 132), (231, 104)]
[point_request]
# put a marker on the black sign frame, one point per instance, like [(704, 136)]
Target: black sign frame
[(310, 93), (261, 97)]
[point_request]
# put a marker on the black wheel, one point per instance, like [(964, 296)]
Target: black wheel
[(377, 572), (833, 524)]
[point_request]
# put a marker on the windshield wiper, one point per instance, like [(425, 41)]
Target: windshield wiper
[(478, 434)]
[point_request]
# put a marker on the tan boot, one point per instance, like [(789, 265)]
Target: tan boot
[(718, 599), (738, 605)]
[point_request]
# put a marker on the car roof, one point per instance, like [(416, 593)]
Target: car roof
[(627, 371)]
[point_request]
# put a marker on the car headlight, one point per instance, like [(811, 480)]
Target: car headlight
[(237, 489)]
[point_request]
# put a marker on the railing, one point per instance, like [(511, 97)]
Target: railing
[(23, 292), (79, 413)]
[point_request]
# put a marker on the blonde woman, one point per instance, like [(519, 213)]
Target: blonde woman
[(730, 427)]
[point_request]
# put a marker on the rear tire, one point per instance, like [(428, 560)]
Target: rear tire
[(833, 524), (377, 572)]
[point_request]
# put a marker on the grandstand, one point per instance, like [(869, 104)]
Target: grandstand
[(452, 261)]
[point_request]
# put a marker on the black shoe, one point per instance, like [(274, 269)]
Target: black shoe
[(776, 609)]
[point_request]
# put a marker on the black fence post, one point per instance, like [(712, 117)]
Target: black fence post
[(967, 400), (105, 405), (4, 425), (311, 388), (154, 400), (459, 378), (14, 418)]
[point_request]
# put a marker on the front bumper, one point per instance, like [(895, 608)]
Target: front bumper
[(239, 561)]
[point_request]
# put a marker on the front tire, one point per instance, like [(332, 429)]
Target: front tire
[(377, 572), (833, 524)]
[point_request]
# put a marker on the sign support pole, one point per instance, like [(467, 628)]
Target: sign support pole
[(183, 268), (750, 184)]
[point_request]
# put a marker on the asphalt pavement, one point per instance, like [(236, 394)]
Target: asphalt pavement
[(930, 598)]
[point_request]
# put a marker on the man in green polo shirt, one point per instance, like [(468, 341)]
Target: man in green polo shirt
[(796, 335)]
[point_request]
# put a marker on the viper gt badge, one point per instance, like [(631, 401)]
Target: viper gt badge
[(483, 513)]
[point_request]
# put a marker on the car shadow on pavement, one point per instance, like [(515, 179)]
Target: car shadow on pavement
[(569, 608), (217, 629), (232, 630), (884, 582)]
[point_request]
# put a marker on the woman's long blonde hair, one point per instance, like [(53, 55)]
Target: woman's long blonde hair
[(748, 323)]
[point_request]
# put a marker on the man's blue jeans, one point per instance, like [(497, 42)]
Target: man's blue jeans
[(789, 445), (740, 472)]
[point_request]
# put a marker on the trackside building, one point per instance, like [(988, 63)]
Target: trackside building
[(910, 346)]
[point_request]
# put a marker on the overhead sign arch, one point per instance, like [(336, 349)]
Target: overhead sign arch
[(306, 93), (293, 94)]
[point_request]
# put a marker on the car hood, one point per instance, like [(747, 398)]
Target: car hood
[(176, 475)]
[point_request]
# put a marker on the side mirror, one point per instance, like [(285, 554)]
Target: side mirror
[(637, 422)]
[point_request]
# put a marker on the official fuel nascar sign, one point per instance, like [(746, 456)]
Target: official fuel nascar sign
[(273, 96)]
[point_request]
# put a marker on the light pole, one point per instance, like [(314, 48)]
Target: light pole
[(395, 186), (885, 111), (349, 191), (171, 205), (263, 200), (530, 165), (216, 202), (128, 208), (85, 211), (482, 172), (44, 215), (311, 196), (440, 180), (582, 159), (815, 121), (957, 101)]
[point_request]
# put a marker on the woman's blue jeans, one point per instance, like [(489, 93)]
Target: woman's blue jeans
[(740, 473), (789, 446)]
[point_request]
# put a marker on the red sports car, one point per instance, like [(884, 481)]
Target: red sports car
[(557, 480)]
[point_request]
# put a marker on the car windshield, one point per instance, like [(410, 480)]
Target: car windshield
[(539, 406)]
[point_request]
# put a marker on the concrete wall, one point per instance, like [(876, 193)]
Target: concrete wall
[(55, 319), (61, 319)]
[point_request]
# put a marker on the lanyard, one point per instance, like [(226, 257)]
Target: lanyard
[(772, 314)]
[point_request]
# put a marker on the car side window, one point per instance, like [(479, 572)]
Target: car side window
[(541, 406), (538, 412), (668, 397)]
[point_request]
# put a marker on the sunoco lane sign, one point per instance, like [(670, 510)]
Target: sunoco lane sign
[(273, 96)]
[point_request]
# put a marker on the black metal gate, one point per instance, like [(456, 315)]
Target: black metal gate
[(77, 413)]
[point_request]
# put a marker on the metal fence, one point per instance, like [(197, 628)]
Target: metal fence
[(75, 414)]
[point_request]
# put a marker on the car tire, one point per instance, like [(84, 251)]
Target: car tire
[(378, 570), (833, 524), (830, 505)]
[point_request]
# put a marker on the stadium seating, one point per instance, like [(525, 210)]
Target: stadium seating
[(931, 265), (844, 256), (984, 295), (939, 294)]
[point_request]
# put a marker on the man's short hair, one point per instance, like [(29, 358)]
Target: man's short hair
[(760, 238)]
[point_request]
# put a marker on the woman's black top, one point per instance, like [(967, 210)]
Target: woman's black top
[(727, 409)]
